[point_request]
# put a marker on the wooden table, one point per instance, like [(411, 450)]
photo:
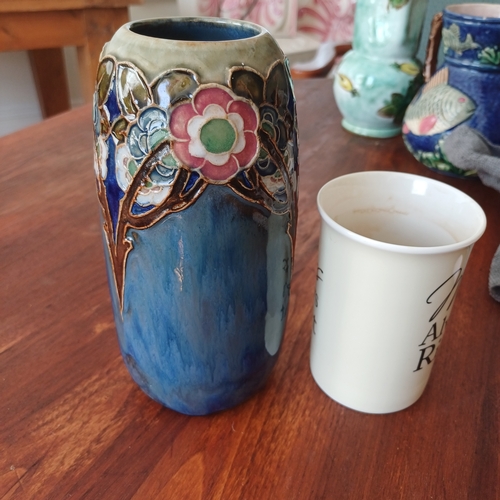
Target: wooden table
[(74, 425), (43, 27)]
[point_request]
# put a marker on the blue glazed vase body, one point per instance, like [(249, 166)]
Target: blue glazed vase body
[(377, 79), (464, 91), (196, 167)]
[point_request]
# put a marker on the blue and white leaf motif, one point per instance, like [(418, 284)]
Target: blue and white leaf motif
[(151, 128), (143, 137)]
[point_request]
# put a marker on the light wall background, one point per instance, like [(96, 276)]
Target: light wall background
[(19, 105), (18, 100)]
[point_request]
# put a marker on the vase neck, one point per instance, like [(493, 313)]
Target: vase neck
[(389, 28)]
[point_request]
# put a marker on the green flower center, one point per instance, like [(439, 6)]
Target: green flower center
[(218, 136)]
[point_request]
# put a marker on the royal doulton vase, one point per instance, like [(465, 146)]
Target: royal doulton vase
[(196, 165), (466, 89), (378, 78)]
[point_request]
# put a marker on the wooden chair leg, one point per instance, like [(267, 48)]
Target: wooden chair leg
[(100, 26), (50, 80)]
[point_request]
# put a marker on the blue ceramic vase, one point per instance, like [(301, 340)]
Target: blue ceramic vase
[(378, 78), (196, 167), (466, 89)]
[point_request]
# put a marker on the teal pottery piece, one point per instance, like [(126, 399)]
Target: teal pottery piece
[(463, 92), (196, 167), (378, 78)]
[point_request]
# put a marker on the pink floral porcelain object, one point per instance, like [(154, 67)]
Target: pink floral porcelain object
[(327, 20), (209, 7), (269, 13)]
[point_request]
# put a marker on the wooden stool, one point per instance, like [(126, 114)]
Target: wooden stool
[(43, 27)]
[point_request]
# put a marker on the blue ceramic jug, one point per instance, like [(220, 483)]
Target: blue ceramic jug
[(465, 90)]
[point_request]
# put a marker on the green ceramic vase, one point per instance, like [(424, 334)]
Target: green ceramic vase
[(378, 78)]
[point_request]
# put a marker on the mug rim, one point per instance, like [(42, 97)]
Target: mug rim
[(395, 247)]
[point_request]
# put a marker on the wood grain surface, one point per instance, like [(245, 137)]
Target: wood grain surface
[(74, 425)]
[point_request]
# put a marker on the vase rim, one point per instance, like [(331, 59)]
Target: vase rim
[(488, 11), (195, 29)]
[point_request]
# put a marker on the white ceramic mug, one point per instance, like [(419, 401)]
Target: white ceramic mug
[(393, 250)]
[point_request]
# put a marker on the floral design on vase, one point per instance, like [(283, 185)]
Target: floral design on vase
[(395, 107), (397, 4), (158, 145), (410, 68), (346, 84), (216, 133)]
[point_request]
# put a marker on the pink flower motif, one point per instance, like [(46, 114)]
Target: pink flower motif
[(215, 133)]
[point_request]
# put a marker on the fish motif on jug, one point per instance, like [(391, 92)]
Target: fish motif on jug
[(451, 40), (438, 108)]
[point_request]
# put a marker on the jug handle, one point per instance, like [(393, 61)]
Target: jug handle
[(433, 46)]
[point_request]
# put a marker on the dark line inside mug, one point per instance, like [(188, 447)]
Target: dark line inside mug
[(194, 30)]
